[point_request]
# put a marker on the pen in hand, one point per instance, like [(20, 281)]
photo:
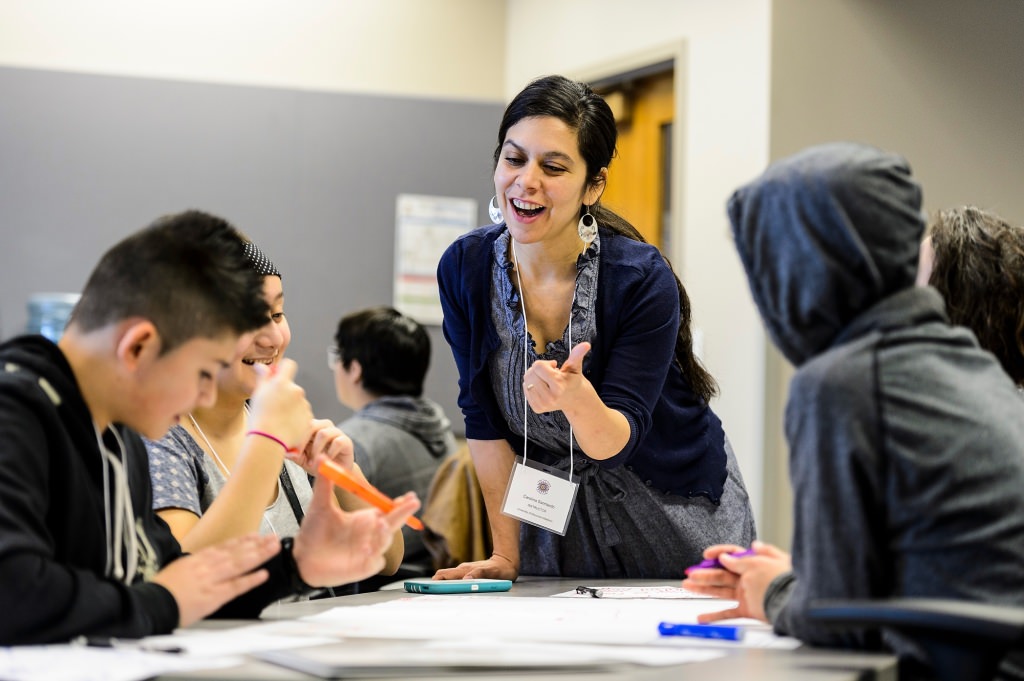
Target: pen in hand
[(715, 563)]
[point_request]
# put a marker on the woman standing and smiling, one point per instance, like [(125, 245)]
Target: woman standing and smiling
[(573, 342)]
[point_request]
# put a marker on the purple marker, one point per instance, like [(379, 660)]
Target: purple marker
[(713, 562)]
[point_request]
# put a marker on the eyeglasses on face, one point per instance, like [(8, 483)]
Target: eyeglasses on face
[(333, 357)]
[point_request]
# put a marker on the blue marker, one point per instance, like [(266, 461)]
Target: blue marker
[(716, 631)]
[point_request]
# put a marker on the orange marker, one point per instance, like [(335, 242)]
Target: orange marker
[(364, 490)]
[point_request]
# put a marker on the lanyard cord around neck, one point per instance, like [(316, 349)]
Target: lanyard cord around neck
[(119, 521), (227, 471), (227, 474), (526, 355)]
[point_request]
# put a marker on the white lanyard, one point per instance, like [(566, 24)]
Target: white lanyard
[(227, 471), (120, 521), (526, 354), (537, 494)]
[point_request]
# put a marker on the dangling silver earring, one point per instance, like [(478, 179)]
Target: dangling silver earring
[(494, 211), (587, 227)]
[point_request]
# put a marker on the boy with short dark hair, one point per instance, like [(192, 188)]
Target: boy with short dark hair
[(81, 551)]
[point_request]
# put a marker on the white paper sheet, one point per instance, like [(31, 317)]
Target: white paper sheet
[(621, 626), (636, 592), (238, 641), (564, 620), (78, 663), (200, 649), (361, 658)]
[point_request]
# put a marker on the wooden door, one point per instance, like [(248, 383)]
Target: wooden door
[(639, 176)]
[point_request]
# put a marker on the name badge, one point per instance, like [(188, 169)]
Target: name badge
[(540, 495)]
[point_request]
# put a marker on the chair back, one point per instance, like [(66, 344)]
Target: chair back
[(457, 529), (964, 641)]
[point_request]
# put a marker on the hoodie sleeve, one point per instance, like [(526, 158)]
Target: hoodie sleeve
[(54, 603), (52, 551), (834, 433), (639, 340), (461, 283)]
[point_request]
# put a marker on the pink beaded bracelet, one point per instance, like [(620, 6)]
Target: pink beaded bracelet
[(274, 438)]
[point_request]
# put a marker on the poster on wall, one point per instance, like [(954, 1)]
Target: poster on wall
[(424, 228)]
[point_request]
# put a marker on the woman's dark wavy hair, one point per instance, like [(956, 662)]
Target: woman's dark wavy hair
[(576, 105), (979, 270)]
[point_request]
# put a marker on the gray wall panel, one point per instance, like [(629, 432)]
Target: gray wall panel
[(310, 176)]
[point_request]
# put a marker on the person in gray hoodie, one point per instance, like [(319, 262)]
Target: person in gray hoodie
[(380, 360), (906, 438)]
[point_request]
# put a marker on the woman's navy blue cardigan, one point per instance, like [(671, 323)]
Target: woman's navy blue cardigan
[(676, 441)]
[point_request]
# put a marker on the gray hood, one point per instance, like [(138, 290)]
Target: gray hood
[(823, 235), (419, 416)]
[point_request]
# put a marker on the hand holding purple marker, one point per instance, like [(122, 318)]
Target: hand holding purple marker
[(714, 562)]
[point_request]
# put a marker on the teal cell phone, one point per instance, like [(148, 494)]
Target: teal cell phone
[(456, 586)]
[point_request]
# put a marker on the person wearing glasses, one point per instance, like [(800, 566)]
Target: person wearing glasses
[(380, 359), (211, 482)]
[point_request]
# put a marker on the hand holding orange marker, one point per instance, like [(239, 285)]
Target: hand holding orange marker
[(365, 491)]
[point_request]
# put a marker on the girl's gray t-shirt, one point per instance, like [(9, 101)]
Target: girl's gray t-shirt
[(185, 476)]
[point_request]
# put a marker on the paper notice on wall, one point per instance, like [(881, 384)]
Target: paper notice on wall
[(425, 226)]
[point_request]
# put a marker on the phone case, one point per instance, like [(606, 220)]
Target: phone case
[(456, 586)]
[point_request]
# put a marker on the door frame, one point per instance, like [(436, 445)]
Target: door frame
[(670, 56)]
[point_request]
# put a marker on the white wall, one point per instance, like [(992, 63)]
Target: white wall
[(478, 50), (431, 48), (725, 143)]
